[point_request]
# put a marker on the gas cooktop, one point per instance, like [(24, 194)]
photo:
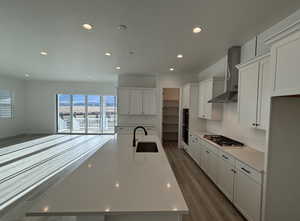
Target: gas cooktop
[(223, 141)]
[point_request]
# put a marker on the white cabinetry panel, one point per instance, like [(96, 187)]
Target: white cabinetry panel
[(208, 89), (255, 89), (248, 92), (137, 101), (149, 102), (124, 101), (248, 196)]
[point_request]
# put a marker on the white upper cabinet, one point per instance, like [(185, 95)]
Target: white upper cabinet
[(124, 101), (255, 90), (264, 94), (137, 101), (208, 89), (186, 96), (285, 65), (149, 102)]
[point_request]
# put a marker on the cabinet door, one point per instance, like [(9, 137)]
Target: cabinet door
[(124, 101), (248, 92), (208, 96), (136, 102), (226, 175), (149, 102), (247, 196), (213, 166), (264, 94), (186, 96), (286, 65), (201, 107), (205, 164)]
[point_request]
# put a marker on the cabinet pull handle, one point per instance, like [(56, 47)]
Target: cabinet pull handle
[(232, 170), (247, 171), (226, 158), (254, 124)]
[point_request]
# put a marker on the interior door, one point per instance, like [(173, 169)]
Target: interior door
[(248, 89)]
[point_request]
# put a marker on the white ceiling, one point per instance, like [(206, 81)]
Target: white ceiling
[(157, 31)]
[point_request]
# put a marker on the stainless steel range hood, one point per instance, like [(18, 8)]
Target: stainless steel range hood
[(232, 77)]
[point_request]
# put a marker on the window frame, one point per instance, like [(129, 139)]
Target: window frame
[(86, 114), (11, 105)]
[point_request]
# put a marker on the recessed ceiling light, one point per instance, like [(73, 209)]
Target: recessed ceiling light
[(197, 30), (27, 75), (171, 69), (179, 56), (118, 67), (108, 54), (44, 53), (88, 27)]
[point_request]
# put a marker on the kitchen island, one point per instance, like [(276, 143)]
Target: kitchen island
[(117, 183)]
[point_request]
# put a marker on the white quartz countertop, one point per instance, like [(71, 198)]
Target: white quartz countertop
[(245, 154), (116, 180)]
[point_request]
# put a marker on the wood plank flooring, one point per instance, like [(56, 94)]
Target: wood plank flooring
[(205, 201)]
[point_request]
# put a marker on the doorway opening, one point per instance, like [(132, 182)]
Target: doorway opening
[(170, 117)]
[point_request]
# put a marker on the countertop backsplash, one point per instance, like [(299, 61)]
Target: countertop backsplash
[(229, 126)]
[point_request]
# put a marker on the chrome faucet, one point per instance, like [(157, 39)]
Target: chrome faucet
[(134, 140)]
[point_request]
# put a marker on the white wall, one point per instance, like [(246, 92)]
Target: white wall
[(41, 101), (12, 127)]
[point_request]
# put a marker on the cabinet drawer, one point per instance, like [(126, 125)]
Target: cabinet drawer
[(226, 157), (212, 148), (254, 174)]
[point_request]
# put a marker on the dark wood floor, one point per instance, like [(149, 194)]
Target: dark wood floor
[(205, 201)]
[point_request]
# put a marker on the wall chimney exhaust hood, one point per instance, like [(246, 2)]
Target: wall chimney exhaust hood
[(232, 77)]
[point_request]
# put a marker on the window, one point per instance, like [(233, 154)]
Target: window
[(86, 114), (5, 104)]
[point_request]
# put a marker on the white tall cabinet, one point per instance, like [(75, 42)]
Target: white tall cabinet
[(208, 89), (255, 89), (137, 101)]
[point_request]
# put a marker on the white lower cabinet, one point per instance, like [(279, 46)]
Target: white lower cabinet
[(247, 195), (212, 166), (241, 184), (226, 175), (194, 149)]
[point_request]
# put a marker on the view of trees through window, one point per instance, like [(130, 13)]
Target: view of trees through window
[(86, 114)]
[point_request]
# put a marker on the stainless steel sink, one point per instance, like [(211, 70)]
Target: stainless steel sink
[(147, 147)]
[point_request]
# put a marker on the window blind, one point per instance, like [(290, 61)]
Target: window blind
[(5, 104)]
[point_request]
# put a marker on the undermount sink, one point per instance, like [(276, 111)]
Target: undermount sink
[(147, 147)]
